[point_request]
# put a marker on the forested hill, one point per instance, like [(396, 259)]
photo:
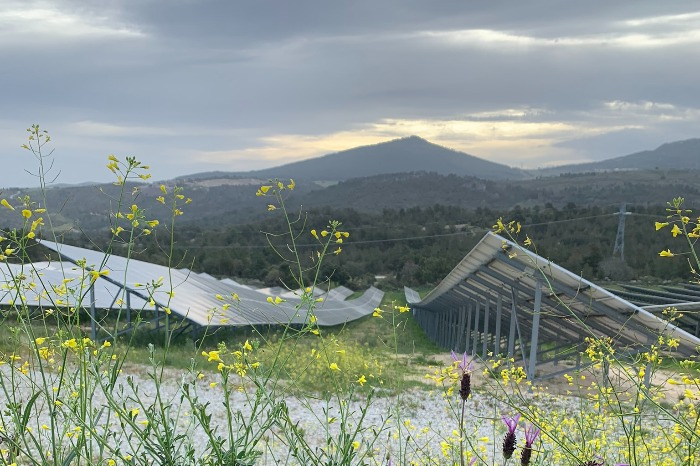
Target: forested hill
[(216, 203), (400, 155), (679, 155), (419, 246)]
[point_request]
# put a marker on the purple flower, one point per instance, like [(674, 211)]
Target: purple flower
[(531, 433), (465, 386), (511, 422), (510, 439), (465, 365), (473, 460)]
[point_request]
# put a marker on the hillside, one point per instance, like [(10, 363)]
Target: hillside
[(220, 203), (679, 155), (411, 154)]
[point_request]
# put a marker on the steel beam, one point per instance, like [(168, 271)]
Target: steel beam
[(499, 316), (485, 345), (534, 340)]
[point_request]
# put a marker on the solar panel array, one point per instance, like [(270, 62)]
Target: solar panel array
[(201, 298), (571, 307)]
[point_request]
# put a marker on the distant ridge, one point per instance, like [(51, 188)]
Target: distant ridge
[(410, 154), (679, 155)]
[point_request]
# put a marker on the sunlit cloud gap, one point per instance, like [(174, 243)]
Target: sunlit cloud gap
[(54, 23)]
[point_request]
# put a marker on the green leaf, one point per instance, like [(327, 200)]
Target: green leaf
[(28, 410)]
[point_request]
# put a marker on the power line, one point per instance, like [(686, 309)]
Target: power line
[(413, 238)]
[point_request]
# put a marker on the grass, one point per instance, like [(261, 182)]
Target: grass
[(393, 342)]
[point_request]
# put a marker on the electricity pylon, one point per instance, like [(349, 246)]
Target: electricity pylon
[(620, 238)]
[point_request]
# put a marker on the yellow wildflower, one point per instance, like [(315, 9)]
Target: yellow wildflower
[(72, 344), (94, 274), (675, 231), (212, 356)]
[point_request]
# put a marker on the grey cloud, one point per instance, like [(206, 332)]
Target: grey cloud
[(245, 70)]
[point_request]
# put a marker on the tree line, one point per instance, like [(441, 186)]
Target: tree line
[(413, 246)]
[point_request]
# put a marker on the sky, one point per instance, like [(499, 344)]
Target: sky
[(191, 86)]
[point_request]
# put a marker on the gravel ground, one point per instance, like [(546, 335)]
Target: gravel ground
[(423, 415)]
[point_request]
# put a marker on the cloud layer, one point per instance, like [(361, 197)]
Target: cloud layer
[(225, 85)]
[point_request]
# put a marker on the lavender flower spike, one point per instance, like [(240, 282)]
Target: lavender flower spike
[(510, 440), (531, 433)]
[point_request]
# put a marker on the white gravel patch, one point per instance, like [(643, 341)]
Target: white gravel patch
[(413, 423)]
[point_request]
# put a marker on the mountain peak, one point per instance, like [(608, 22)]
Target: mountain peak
[(407, 154)]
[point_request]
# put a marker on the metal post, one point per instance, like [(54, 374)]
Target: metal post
[(485, 345), (647, 376), (476, 327), (535, 330), (441, 334), (128, 310), (469, 327), (499, 310), (460, 330), (455, 331), (606, 372), (513, 318)]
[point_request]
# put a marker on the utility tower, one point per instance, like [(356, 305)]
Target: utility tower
[(620, 238)]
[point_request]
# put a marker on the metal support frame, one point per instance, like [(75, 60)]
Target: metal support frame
[(460, 329), (469, 327), (534, 343), (593, 305), (570, 329), (128, 311), (499, 315), (485, 345), (513, 321), (476, 327), (552, 334)]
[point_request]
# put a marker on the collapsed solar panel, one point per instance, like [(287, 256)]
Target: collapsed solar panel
[(503, 293), (194, 296)]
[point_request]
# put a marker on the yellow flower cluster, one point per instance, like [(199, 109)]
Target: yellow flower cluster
[(274, 188), (237, 362)]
